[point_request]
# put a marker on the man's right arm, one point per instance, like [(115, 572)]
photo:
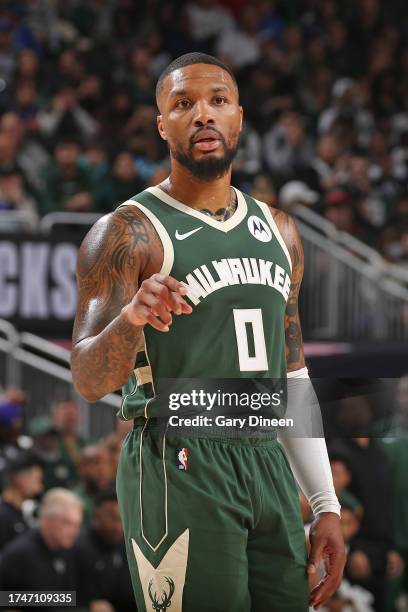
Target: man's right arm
[(114, 302)]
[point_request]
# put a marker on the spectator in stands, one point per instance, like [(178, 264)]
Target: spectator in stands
[(46, 445), (31, 156), (26, 102), (248, 161), (92, 18), (399, 425), (263, 190), (41, 17), (324, 172), (263, 98), (91, 97), (119, 112), (95, 474), (123, 428), (8, 54), (287, 148), (94, 161), (8, 151), (22, 481), (68, 187), (395, 447), (396, 451), (293, 49), (14, 196), (209, 21), (66, 118), (372, 550), (71, 70), (314, 93), (342, 470), (160, 57), (28, 67), (101, 558), (139, 79), (240, 47), (393, 237), (43, 559), (11, 427), (113, 444), (337, 48), (297, 192), (122, 183), (66, 418), (346, 116), (340, 209)]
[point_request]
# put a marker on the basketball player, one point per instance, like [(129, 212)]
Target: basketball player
[(168, 285)]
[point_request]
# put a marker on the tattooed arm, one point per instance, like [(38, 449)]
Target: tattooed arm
[(121, 252), (295, 358)]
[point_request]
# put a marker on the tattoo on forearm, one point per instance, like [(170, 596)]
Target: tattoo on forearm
[(109, 266), (293, 333)]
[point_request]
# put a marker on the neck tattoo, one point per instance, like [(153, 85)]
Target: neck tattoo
[(222, 214)]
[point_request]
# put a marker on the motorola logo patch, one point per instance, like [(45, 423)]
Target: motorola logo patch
[(259, 229)]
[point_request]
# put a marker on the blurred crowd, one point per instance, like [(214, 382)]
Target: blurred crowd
[(324, 85), (60, 527)]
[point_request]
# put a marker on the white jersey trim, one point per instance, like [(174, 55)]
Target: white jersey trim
[(268, 215), (168, 250), (222, 226)]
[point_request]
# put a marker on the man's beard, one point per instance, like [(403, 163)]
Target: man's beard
[(207, 168)]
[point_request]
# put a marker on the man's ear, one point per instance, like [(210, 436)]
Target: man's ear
[(241, 110), (160, 127)]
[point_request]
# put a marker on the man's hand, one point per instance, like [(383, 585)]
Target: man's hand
[(157, 297), (327, 544)]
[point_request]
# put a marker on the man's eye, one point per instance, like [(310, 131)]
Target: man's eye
[(220, 100), (183, 104)]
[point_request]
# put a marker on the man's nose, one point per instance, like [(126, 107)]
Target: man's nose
[(203, 113)]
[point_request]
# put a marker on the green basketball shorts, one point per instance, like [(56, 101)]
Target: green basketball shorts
[(211, 525)]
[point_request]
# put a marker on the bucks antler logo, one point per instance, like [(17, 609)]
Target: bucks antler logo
[(165, 599), (163, 585)]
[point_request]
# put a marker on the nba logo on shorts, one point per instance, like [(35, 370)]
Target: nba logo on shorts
[(182, 459)]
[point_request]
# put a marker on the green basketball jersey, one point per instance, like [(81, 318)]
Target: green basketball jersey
[(238, 276)]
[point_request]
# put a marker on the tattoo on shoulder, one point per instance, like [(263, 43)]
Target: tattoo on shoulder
[(109, 264)]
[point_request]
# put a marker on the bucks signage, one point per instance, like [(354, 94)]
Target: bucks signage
[(37, 282)]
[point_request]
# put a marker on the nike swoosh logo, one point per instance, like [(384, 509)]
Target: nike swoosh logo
[(187, 234)]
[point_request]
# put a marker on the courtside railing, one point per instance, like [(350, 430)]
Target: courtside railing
[(349, 291), (42, 369)]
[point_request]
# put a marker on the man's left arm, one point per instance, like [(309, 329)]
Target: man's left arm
[(307, 452)]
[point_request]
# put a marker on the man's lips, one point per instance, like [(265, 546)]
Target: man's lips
[(206, 135), (207, 145), (207, 140)]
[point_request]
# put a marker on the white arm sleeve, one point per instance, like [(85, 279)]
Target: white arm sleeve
[(308, 456)]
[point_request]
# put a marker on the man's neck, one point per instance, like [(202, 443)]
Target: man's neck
[(200, 195)]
